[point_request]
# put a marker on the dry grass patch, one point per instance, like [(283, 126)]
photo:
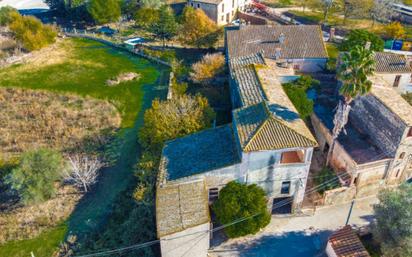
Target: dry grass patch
[(24, 222), (31, 119)]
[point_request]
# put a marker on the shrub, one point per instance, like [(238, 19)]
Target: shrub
[(296, 91), (146, 17), (327, 178), (167, 120), (35, 175), (238, 201), (104, 11), (395, 30), (393, 227), (208, 68), (359, 37), (408, 97), (5, 15), (30, 32)]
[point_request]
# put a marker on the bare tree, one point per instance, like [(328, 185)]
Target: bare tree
[(83, 170), (383, 10)]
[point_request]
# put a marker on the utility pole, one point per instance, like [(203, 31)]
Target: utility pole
[(350, 211)]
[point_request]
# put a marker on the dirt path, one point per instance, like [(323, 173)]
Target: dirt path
[(94, 207)]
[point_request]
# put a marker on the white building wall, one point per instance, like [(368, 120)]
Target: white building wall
[(191, 242), (329, 251), (405, 84)]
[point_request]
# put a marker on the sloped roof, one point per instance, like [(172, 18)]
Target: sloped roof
[(346, 243), (243, 72), (391, 63), (214, 2), (301, 41), (181, 206), (199, 152), (260, 130)]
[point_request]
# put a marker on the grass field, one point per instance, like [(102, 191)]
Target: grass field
[(41, 246), (82, 67)]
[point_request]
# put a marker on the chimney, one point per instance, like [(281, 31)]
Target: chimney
[(282, 38), (278, 53)]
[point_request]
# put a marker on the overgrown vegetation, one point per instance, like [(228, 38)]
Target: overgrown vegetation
[(359, 37), (327, 178), (237, 201), (104, 11), (296, 91), (408, 97), (28, 31), (393, 228), (63, 122), (207, 69)]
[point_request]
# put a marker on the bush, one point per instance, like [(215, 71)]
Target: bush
[(208, 68), (104, 11), (327, 178), (296, 91), (167, 120), (360, 37), (238, 201), (393, 227), (30, 32), (5, 15), (408, 97), (35, 175)]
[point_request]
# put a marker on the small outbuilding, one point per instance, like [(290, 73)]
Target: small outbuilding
[(345, 243), (183, 220)]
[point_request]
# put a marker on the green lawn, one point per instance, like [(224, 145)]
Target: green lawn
[(41, 246), (84, 71)]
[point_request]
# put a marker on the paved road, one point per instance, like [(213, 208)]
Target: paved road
[(298, 236)]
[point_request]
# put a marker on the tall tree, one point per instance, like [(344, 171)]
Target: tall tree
[(146, 17), (359, 37), (327, 6), (356, 65), (383, 10), (166, 27), (394, 221), (395, 30), (104, 11), (155, 4), (197, 29)]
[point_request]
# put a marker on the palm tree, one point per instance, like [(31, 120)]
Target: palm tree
[(355, 67)]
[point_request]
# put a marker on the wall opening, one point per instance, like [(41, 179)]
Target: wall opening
[(282, 205), (293, 157), (285, 189)]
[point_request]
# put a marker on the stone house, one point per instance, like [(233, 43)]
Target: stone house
[(222, 12), (300, 47), (376, 150), (266, 144), (395, 69)]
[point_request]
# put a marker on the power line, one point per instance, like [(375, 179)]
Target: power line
[(150, 243)]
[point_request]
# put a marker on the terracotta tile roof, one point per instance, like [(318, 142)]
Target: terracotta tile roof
[(301, 41), (244, 74), (200, 152), (181, 206), (346, 243), (391, 63), (259, 130)]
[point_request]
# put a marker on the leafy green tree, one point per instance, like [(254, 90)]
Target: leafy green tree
[(30, 32), (104, 11), (356, 65), (394, 221), (395, 30), (35, 175), (237, 201), (197, 29), (296, 91), (166, 27), (6, 15), (155, 4), (174, 118), (146, 17), (359, 37)]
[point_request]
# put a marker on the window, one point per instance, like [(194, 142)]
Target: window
[(402, 155), (223, 7), (293, 157), (397, 81), (223, 18), (296, 67), (213, 194), (285, 187), (191, 4), (198, 5), (410, 81), (233, 3), (397, 173)]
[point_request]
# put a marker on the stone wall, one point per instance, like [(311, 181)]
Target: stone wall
[(374, 119), (339, 195)]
